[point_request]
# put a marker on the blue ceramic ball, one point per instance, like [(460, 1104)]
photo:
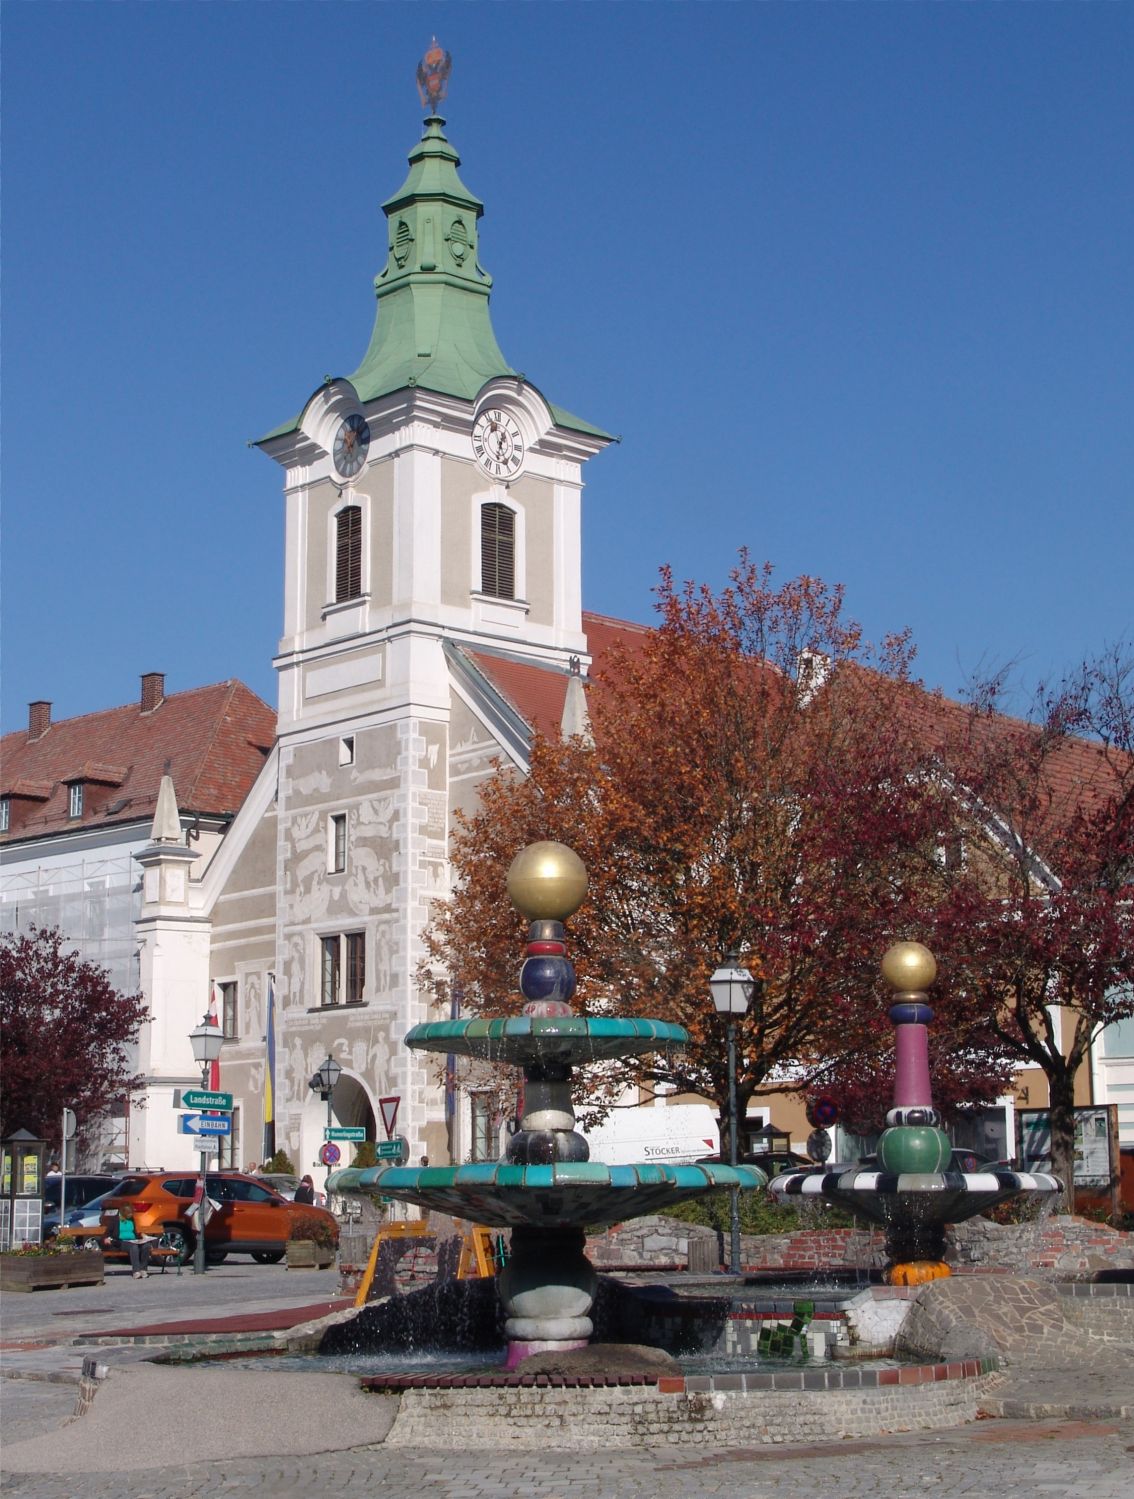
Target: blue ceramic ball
[(547, 978)]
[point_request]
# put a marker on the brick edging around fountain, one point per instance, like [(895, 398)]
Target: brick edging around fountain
[(827, 1378)]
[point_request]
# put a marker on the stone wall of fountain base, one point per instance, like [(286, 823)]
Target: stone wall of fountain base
[(1057, 1248), (725, 1410)]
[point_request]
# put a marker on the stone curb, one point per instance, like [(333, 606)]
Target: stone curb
[(1007, 1409), (42, 1376)]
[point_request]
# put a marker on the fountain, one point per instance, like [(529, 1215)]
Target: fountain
[(914, 1194), (546, 1188)]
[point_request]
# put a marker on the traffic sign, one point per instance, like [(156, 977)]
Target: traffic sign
[(201, 1098), (345, 1132), (389, 1107), (208, 1145), (204, 1124), (330, 1155), (396, 1149)]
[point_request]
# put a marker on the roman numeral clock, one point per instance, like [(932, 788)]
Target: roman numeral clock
[(498, 444)]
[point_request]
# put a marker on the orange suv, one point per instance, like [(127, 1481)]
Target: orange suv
[(252, 1219)]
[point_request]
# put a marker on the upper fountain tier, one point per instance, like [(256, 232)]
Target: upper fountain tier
[(536, 1040)]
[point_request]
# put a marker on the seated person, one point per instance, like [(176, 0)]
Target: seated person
[(124, 1235)]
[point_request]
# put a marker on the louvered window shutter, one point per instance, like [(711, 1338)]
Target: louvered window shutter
[(348, 554), (498, 551)]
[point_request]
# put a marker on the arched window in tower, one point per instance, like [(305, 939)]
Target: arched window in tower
[(497, 551), (348, 553)]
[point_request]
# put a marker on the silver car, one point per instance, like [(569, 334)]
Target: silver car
[(285, 1185)]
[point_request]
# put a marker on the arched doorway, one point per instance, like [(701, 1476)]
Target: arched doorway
[(351, 1106)]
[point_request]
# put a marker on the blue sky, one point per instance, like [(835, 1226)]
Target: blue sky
[(852, 282)]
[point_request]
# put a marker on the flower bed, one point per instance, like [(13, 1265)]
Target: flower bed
[(35, 1268)]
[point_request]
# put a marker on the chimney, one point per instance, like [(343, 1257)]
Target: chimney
[(153, 690), (39, 719)]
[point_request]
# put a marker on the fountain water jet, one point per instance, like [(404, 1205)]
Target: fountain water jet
[(547, 1189)]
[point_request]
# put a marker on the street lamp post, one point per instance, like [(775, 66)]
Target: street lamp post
[(206, 1040), (323, 1083), (731, 987)]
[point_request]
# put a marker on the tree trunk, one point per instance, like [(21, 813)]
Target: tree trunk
[(1061, 1091)]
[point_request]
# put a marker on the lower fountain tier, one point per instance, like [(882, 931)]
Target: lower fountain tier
[(568, 1194), (930, 1196)]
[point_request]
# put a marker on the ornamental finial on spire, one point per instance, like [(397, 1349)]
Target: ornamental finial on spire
[(433, 77)]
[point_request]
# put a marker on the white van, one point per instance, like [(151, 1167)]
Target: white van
[(675, 1135)]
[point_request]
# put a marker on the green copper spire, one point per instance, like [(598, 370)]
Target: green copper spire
[(432, 327)]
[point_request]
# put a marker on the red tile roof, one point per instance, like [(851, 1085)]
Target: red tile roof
[(212, 741), (537, 692), (1078, 774)]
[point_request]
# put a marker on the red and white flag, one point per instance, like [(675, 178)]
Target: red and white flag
[(212, 1019)]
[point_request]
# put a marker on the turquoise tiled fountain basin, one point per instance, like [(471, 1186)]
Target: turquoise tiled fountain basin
[(520, 1039), (571, 1194)]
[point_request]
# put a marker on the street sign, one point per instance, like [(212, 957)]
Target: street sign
[(345, 1132), (330, 1155), (201, 1098), (819, 1144), (389, 1107), (208, 1145), (204, 1124), (70, 1124), (396, 1149)]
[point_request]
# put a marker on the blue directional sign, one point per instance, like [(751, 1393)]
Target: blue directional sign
[(204, 1124)]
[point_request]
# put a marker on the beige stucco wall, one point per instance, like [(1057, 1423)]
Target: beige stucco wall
[(379, 487), (535, 496), (456, 534)]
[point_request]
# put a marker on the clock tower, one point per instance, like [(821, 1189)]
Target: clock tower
[(432, 519)]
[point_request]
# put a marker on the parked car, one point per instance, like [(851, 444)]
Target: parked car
[(771, 1162), (251, 1218), (88, 1215), (285, 1185), (81, 1188)]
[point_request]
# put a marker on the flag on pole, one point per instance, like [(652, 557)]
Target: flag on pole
[(270, 1075), (211, 1018), (451, 1059)]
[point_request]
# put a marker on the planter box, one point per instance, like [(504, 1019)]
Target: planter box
[(47, 1272), (302, 1254)]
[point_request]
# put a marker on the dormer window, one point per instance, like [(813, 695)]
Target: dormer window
[(348, 553), (497, 551), (5, 813), (75, 799)]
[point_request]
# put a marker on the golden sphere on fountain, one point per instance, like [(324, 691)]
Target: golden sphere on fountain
[(909, 967), (547, 881)]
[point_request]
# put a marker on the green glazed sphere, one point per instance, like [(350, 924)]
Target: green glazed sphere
[(914, 1147)]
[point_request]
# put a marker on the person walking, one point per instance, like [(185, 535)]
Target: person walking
[(305, 1192)]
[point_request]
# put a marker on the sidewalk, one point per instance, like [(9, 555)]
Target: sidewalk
[(45, 1335)]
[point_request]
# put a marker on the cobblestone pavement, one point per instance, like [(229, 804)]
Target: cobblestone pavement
[(1085, 1450), (1015, 1460)]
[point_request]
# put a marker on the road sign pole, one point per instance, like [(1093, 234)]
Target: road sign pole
[(63, 1173), (199, 1246)]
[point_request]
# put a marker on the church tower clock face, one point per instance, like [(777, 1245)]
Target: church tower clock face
[(498, 444), (351, 442)]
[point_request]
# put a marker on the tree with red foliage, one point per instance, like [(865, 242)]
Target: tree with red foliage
[(1034, 911), (753, 786), (65, 1035)]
